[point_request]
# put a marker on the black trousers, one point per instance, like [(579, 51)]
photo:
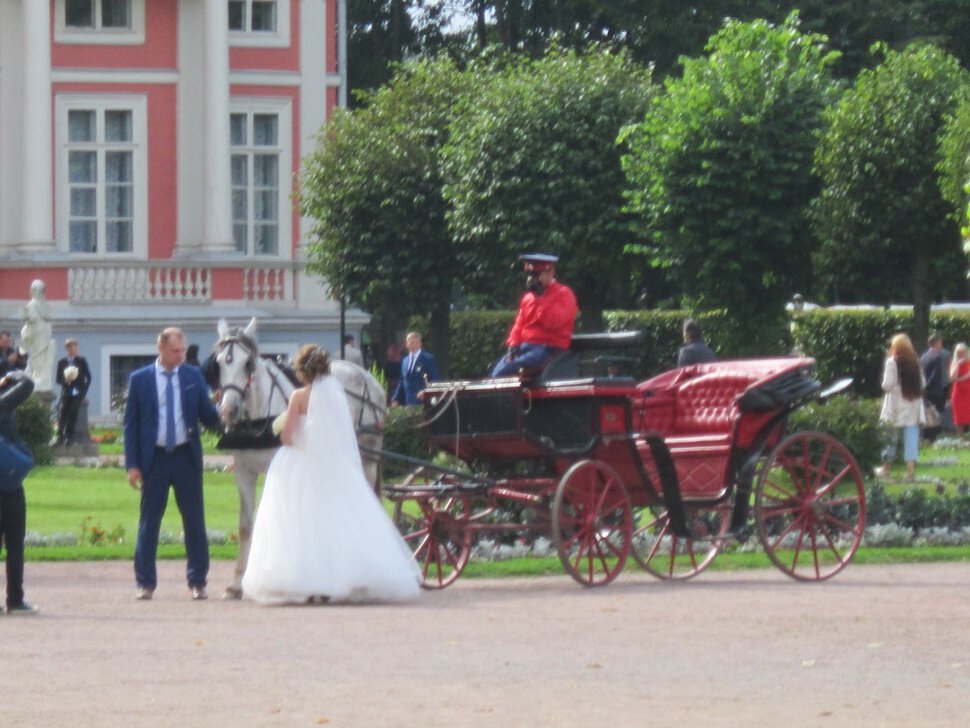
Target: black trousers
[(70, 406), (13, 527)]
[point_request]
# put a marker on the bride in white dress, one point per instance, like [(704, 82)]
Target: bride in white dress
[(320, 531)]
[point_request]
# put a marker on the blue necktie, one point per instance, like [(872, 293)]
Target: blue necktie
[(169, 412)]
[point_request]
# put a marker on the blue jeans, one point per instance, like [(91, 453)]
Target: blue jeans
[(910, 444), (530, 357)]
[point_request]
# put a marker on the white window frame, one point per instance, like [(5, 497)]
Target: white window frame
[(262, 38), (138, 105), (283, 109), (135, 35)]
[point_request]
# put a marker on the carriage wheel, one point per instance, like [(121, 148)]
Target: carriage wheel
[(434, 528), (666, 555), (592, 523), (810, 506)]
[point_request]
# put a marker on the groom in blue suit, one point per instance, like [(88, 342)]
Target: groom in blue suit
[(165, 403), (417, 369)]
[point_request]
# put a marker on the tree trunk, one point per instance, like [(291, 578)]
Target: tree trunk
[(397, 11), (481, 29), (921, 299), (440, 336)]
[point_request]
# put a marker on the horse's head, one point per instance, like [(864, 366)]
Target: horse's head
[(236, 355)]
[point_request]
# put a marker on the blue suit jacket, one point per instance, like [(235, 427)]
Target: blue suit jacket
[(141, 414), (412, 382)]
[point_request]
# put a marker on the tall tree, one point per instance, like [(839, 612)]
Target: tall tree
[(881, 217), (719, 173), (373, 188), (532, 167)]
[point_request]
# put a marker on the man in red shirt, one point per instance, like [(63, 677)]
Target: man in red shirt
[(544, 324)]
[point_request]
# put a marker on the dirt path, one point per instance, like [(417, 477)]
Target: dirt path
[(877, 646)]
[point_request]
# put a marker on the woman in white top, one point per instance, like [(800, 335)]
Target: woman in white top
[(902, 405)]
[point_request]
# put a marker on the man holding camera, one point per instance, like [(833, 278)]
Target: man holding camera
[(544, 325)]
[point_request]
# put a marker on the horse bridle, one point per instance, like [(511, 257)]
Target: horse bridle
[(243, 341), (248, 343)]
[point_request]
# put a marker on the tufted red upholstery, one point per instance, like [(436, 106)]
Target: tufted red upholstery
[(696, 412)]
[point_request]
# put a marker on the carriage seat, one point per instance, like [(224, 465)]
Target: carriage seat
[(570, 364), (696, 412)]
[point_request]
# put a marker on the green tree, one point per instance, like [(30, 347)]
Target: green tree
[(954, 162), (881, 218), (532, 167), (719, 173), (373, 189)]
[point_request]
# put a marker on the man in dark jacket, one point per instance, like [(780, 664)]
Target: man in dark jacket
[(74, 376), (694, 350), (15, 387)]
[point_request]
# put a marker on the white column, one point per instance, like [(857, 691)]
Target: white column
[(218, 191), (37, 224)]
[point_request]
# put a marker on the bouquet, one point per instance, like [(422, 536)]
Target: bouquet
[(279, 423), (70, 374)]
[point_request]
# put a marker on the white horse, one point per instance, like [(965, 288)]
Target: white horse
[(253, 392)]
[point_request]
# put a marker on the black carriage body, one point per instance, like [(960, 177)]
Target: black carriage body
[(500, 422)]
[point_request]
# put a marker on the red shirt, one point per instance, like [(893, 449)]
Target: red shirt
[(547, 319)]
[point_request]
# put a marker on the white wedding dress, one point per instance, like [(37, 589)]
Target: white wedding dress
[(320, 531)]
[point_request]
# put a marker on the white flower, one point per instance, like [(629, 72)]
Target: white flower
[(279, 423), (70, 374)]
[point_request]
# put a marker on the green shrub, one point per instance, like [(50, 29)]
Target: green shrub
[(917, 510), (34, 423), (853, 421), (879, 506), (404, 435)]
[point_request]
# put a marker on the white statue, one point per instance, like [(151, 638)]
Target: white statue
[(35, 337)]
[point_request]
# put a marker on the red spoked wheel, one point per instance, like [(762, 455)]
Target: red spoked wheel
[(810, 506), (592, 523), (666, 555), (435, 529)]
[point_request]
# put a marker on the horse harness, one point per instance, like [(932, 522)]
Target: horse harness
[(245, 342)]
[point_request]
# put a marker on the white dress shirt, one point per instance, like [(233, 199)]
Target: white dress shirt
[(181, 436)]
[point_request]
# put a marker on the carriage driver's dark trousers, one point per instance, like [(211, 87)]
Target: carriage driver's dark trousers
[(179, 470), (13, 526)]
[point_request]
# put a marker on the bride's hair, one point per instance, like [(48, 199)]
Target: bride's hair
[(311, 361)]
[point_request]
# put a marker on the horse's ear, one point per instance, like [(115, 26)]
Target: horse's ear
[(222, 328), (251, 329)]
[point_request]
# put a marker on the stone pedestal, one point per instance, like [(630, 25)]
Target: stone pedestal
[(81, 446)]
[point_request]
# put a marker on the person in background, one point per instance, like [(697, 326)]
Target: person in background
[(192, 355), (417, 369), (74, 376), (902, 404), (15, 388), (960, 394), (351, 352), (694, 350), (544, 324), (936, 371), (10, 357)]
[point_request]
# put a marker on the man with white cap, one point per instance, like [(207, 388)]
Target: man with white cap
[(544, 325)]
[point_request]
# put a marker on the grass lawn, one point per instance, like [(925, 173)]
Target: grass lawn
[(64, 499), (91, 502)]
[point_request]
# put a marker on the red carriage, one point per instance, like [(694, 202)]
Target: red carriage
[(667, 470)]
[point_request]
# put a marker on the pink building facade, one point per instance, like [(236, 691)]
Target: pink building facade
[(149, 151)]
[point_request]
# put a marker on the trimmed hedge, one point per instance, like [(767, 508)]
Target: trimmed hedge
[(854, 343)]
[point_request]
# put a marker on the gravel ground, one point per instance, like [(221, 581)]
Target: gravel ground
[(876, 646)]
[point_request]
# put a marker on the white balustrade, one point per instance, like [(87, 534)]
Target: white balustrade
[(173, 282)]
